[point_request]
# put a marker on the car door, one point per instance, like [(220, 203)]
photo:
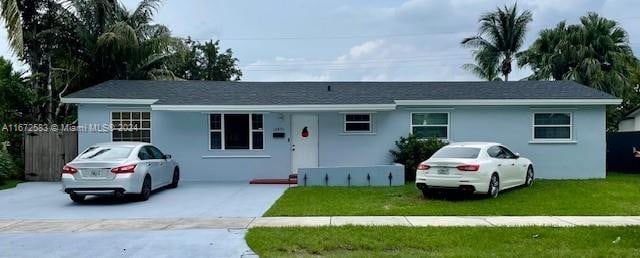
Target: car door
[(514, 174), (152, 164), (498, 157), (147, 161), (163, 168)]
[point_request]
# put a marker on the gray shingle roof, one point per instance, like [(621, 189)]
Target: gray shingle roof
[(301, 93)]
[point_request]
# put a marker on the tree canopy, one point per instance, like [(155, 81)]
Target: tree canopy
[(70, 45), (500, 36)]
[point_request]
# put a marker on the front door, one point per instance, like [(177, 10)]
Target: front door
[(304, 141)]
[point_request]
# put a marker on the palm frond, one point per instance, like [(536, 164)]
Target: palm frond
[(13, 22)]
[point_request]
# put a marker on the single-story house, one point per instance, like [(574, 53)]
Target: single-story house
[(238, 131), (630, 122)]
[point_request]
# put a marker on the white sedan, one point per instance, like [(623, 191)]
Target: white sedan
[(119, 168), (476, 167)]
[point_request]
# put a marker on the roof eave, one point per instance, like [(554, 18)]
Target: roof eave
[(317, 107), (108, 101), (507, 102)]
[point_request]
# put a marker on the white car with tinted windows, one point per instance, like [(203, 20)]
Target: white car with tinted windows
[(474, 167), (119, 168)]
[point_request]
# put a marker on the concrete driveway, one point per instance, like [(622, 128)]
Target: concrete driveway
[(44, 204), (38, 200), (166, 243)]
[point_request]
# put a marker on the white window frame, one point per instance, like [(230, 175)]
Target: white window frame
[(344, 123), (222, 132), (131, 120), (411, 125), (533, 127)]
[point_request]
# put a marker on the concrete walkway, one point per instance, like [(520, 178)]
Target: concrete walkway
[(49, 226)]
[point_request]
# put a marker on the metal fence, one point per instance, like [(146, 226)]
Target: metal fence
[(46, 153), (623, 152)]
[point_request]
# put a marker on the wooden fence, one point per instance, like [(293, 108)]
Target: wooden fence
[(45, 154)]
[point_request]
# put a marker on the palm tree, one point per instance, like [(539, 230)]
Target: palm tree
[(501, 35), (72, 44), (595, 52), (119, 44), (486, 66)]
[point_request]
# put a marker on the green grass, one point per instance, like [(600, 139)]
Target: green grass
[(619, 194), (9, 184), (362, 241)]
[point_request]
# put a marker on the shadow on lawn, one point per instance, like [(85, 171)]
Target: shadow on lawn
[(455, 196)]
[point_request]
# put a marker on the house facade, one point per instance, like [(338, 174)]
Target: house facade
[(630, 122), (238, 131)]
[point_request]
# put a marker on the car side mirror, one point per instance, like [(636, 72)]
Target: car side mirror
[(516, 155), (167, 156)]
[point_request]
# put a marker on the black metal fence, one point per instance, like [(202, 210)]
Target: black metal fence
[(623, 152)]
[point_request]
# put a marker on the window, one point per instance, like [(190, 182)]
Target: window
[(457, 153), (426, 125), (105, 153), (552, 126), (500, 152), (155, 152), (236, 131), (131, 126), (357, 123), (145, 154)]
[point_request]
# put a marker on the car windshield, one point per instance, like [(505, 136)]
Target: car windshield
[(457, 153), (106, 153)]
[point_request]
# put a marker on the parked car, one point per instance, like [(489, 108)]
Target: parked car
[(119, 168), (474, 167)]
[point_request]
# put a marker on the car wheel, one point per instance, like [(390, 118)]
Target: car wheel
[(77, 197), (145, 192), (175, 179), (494, 186), (529, 180)]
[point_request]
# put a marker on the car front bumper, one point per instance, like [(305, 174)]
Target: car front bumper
[(121, 184), (476, 183)]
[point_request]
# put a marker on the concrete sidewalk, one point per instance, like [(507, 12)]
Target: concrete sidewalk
[(49, 226)]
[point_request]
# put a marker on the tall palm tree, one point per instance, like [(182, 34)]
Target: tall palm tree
[(486, 66), (501, 35)]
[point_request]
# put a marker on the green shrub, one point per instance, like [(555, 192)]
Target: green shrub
[(412, 150), (7, 167)]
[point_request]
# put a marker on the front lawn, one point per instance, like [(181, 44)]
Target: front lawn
[(362, 241), (619, 194), (9, 184)]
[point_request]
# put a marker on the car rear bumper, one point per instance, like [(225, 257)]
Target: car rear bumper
[(121, 184), (476, 184)]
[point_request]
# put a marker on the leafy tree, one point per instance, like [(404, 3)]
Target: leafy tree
[(197, 61), (7, 167), (595, 53), (16, 105), (501, 35)]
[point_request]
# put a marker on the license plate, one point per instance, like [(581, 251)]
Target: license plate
[(95, 173), (443, 171)]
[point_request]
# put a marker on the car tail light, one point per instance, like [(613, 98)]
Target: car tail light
[(469, 167), (423, 166), (69, 170), (124, 169)]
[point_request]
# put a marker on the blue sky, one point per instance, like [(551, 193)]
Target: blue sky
[(411, 40)]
